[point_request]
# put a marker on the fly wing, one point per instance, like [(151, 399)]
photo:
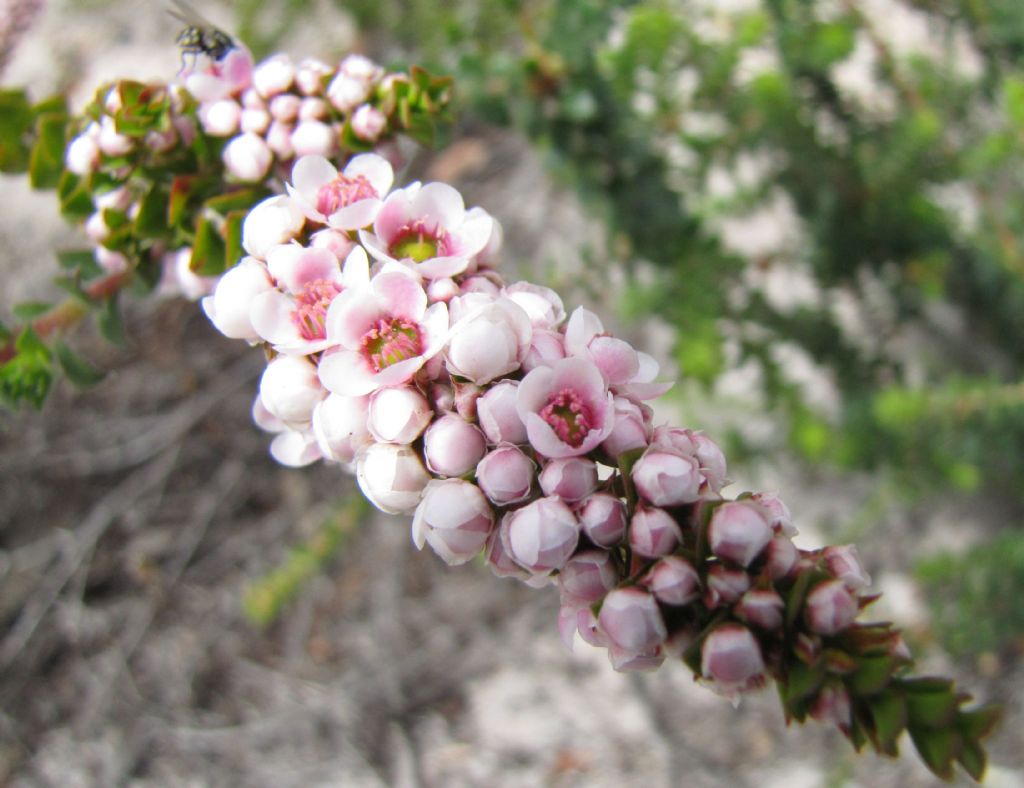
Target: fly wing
[(188, 16)]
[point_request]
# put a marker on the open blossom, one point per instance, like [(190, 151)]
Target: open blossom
[(380, 334), (347, 200), (210, 79), (428, 226), (566, 407)]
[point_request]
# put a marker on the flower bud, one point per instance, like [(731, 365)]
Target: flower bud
[(220, 118), (587, 577), (833, 706), (572, 479), (83, 155), (667, 478), (497, 556), (398, 415), (732, 658), (542, 535), (279, 139), (781, 556), (346, 93), (498, 416), (454, 518), (632, 428), (830, 608), (673, 580), (506, 475), (309, 76), (290, 389), (313, 138), (274, 221), (339, 424), (725, 585), (254, 120), (542, 304), (761, 607), (391, 476), (466, 396), (631, 620), (285, 108), (488, 341), (844, 563), (274, 75), (452, 446), (110, 261), (368, 122), (603, 519), (779, 516), (626, 661), (230, 305), (112, 143), (313, 109), (247, 157), (738, 532), (653, 532), (546, 347)]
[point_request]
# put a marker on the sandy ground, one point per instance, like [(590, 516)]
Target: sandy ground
[(134, 515)]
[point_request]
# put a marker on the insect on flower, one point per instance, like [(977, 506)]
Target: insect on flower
[(199, 36)]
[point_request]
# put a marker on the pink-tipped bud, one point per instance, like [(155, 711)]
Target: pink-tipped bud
[(725, 585), (398, 415), (603, 519), (339, 424), (444, 289), (674, 581), (346, 92), (254, 120), (334, 241), (653, 532), (290, 389), (368, 123), (285, 108), (309, 76), (830, 608), (779, 516), (247, 157), (314, 138), (833, 706), (314, 109), (628, 662), (732, 659), (631, 620), (279, 139), (587, 577), (546, 347), (498, 416), (586, 625), (632, 428), (112, 143), (572, 479), (506, 475), (844, 563), (274, 75), (454, 518), (781, 556), (452, 446), (466, 396), (220, 118), (498, 558), (83, 155), (667, 478), (738, 532), (392, 477), (542, 535), (761, 607)]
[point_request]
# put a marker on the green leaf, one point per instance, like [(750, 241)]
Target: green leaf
[(972, 758), (110, 321), (78, 370), (30, 310), (800, 685), (239, 199), (890, 717), (15, 123), (208, 250), (75, 200), (151, 221), (931, 709), (28, 375), (233, 251), (46, 162), (937, 749), (76, 259), (872, 676), (978, 723), (183, 193)]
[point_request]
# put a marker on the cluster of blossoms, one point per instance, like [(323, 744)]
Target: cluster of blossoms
[(256, 118), (509, 429)]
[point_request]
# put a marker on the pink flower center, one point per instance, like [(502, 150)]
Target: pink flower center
[(568, 416), (418, 241), (391, 341), (343, 191), (311, 307)]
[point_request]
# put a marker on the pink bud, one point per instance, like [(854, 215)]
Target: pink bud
[(112, 143), (632, 428), (110, 261), (444, 289), (309, 76), (498, 558), (667, 478), (498, 416), (346, 92), (247, 157), (833, 706), (279, 139), (782, 556), (398, 415), (586, 625), (339, 424), (542, 535), (454, 518), (546, 347), (285, 108), (391, 476), (274, 221), (334, 241), (844, 563), (506, 475), (674, 581), (442, 397), (368, 122), (313, 109), (626, 661), (452, 446), (161, 141), (572, 479), (830, 608), (255, 120), (542, 304), (631, 620), (220, 118), (761, 607), (603, 519), (314, 138), (466, 396), (587, 577), (732, 658), (738, 532), (779, 517), (274, 75), (725, 585), (83, 155), (653, 532), (290, 389)]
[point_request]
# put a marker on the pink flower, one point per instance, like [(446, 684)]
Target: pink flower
[(274, 221), (347, 200), (229, 308), (454, 518), (339, 424), (208, 79), (368, 122), (546, 347), (705, 451), (392, 477), (542, 304), (384, 333), (653, 532), (631, 620), (667, 477), (761, 607), (273, 75), (782, 556), (248, 157), (738, 532), (571, 478), (725, 585), (629, 371), (566, 407), (587, 577), (830, 608), (732, 659), (632, 428), (844, 563), (780, 519), (506, 475), (488, 341), (499, 419), (603, 519), (398, 415), (293, 319), (429, 227), (290, 390), (673, 580), (542, 535), (452, 446)]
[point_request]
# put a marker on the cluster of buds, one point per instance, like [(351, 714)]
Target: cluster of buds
[(513, 431), (226, 123)]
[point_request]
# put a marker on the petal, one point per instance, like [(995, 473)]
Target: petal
[(441, 204), (474, 234), (271, 316), (310, 173), (375, 246), (350, 316), (294, 449), (346, 372), (376, 169), (353, 217), (440, 267), (399, 373), (615, 358), (581, 376), (295, 266), (434, 326), (395, 214), (533, 391), (544, 440), (400, 295), (583, 326), (648, 368), (356, 273)]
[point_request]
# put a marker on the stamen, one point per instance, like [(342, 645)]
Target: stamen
[(419, 241), (568, 416), (311, 305), (342, 192), (391, 341)]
